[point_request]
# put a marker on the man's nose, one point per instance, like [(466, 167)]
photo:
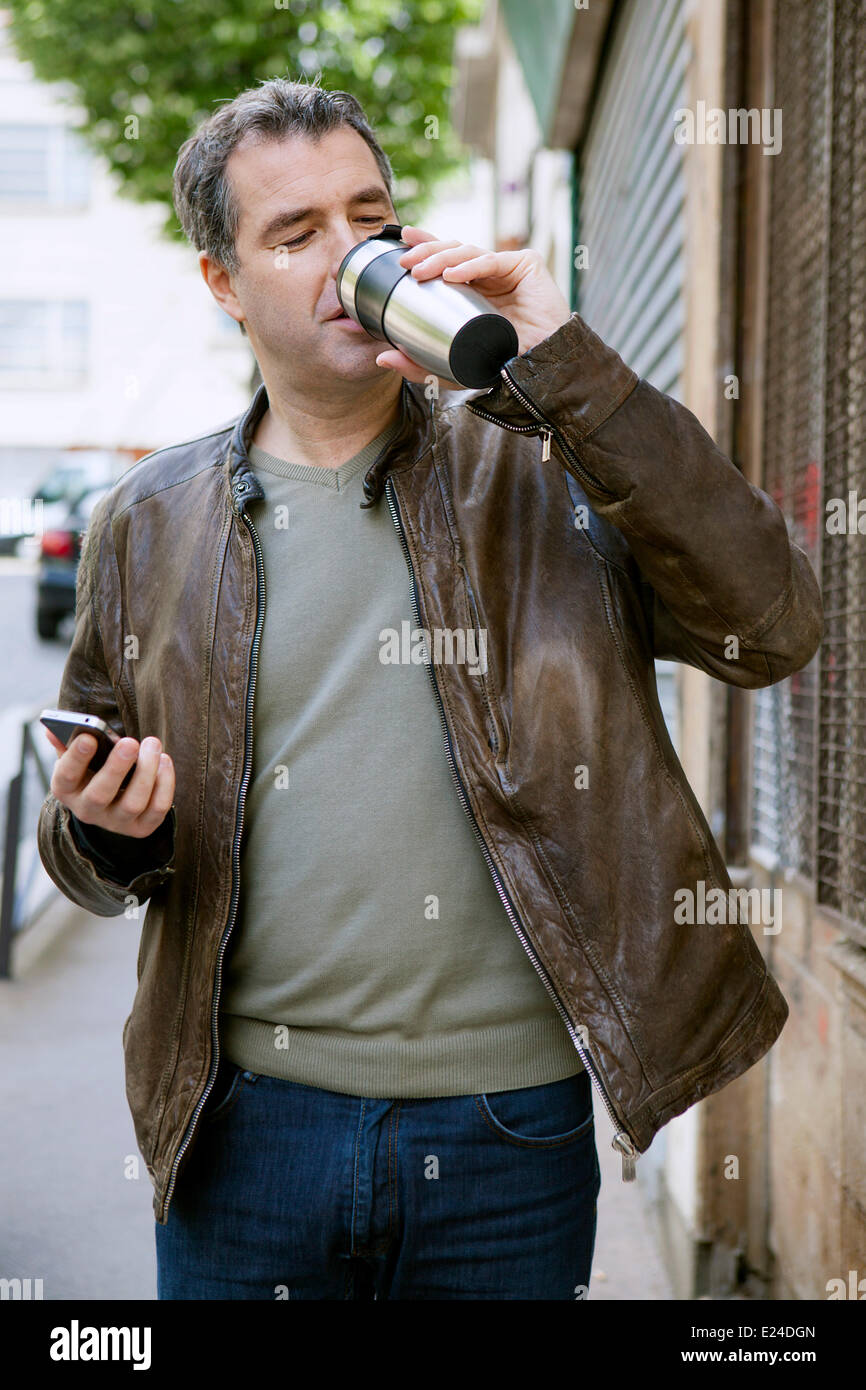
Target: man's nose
[(348, 237)]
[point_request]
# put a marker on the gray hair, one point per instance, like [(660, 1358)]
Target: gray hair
[(203, 197)]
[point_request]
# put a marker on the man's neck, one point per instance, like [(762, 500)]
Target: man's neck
[(324, 440)]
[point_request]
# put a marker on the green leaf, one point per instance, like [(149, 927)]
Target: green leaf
[(170, 61)]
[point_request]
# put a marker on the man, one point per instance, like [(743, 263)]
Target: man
[(404, 914)]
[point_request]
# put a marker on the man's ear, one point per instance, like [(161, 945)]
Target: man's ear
[(218, 281)]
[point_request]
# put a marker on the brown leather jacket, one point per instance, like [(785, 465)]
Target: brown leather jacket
[(589, 524)]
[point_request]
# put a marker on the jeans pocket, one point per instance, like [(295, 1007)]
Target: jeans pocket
[(543, 1117), (229, 1083)]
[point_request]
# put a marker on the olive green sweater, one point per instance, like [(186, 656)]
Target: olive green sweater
[(372, 954)]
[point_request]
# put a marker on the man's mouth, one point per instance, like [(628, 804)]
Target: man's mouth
[(345, 321)]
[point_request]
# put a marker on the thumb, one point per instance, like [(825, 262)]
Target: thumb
[(397, 361)]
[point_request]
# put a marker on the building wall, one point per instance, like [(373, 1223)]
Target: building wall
[(159, 360), (761, 1189), (807, 750), (535, 207)]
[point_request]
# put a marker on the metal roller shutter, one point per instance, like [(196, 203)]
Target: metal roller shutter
[(631, 210), (631, 195)]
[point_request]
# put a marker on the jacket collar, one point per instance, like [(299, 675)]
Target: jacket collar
[(409, 444)]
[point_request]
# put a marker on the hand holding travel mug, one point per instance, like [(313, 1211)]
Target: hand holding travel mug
[(451, 330)]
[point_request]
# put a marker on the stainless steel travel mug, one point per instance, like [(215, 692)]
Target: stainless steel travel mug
[(449, 329)]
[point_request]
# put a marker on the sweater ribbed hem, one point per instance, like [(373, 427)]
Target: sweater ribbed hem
[(504, 1058)]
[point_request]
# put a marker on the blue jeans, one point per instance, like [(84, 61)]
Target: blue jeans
[(294, 1192)]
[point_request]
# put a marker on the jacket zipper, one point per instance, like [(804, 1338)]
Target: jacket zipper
[(236, 843), (547, 432), (239, 488), (622, 1140)]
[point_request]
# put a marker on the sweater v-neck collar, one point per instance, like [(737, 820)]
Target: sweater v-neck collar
[(335, 478)]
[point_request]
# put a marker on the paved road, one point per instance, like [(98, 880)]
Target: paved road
[(31, 668), (69, 1215)]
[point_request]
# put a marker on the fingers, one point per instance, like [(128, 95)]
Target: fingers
[(428, 250), (459, 262), (101, 792), (415, 235), (145, 803), (71, 769), (163, 795), (453, 260), (472, 268), (463, 263), (93, 797), (101, 789), (398, 361)]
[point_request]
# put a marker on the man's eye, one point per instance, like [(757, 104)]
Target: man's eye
[(299, 241)]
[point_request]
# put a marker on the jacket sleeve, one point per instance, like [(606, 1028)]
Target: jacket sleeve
[(714, 552), (95, 868)]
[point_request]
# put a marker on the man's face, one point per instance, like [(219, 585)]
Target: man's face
[(285, 289)]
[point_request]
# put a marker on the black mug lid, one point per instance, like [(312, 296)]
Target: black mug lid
[(390, 232)]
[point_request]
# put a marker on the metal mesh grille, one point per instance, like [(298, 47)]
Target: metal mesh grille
[(841, 865), (784, 768), (809, 770)]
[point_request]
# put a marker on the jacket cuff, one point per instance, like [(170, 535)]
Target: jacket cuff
[(122, 858), (579, 379)]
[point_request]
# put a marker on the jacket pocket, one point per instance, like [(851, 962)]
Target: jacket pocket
[(497, 737)]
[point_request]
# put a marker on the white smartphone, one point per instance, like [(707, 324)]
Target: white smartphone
[(67, 724)]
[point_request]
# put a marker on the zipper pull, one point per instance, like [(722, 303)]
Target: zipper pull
[(625, 1146), (545, 445)]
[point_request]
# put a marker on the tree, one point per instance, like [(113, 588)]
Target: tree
[(146, 73)]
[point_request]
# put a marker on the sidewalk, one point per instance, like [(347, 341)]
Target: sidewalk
[(627, 1264), (69, 1215)]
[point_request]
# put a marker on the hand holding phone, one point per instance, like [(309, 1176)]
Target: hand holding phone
[(114, 783)]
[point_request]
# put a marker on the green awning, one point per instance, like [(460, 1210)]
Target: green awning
[(541, 33)]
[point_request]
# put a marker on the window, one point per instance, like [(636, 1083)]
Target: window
[(43, 343), (43, 166)]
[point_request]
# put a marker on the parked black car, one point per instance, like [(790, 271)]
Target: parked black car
[(67, 480), (60, 548)]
